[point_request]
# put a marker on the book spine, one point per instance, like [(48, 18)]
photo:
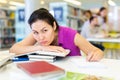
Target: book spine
[(48, 60), (19, 59), (41, 57)]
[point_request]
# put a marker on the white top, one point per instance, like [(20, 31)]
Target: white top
[(91, 32), (103, 25), (100, 20)]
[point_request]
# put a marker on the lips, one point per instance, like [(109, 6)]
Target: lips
[(43, 42)]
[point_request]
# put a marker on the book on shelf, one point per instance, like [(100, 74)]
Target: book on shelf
[(41, 69), (7, 29)]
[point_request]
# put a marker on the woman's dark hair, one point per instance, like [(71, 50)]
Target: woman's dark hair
[(88, 11), (100, 10), (91, 18), (42, 14)]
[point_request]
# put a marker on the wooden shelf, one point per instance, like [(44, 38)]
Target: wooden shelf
[(7, 29)]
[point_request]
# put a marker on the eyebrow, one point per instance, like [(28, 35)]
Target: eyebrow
[(34, 30), (41, 29)]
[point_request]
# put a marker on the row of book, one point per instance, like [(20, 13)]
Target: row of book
[(6, 42)]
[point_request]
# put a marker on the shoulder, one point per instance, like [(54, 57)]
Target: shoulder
[(65, 29), (66, 32)]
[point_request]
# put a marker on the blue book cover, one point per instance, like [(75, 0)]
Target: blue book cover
[(21, 58)]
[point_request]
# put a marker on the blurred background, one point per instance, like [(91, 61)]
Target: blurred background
[(15, 13)]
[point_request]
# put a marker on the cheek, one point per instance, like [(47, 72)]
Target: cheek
[(50, 36), (103, 14), (36, 37)]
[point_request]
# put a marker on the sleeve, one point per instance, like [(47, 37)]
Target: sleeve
[(69, 35)]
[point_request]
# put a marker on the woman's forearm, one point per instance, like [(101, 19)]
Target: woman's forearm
[(18, 49)]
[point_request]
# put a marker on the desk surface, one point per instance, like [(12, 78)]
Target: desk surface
[(113, 40), (106, 67)]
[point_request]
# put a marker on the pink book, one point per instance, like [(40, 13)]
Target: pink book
[(40, 68)]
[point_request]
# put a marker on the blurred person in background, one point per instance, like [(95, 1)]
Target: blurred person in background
[(102, 19), (93, 30), (87, 14)]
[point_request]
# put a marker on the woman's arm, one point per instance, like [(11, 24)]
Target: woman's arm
[(93, 53), (27, 45)]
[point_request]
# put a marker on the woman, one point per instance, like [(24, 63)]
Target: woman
[(52, 37), (102, 19), (87, 14), (102, 15)]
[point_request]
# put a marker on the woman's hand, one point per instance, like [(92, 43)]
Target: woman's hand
[(95, 55), (53, 48)]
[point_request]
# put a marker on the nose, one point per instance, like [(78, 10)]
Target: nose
[(41, 36)]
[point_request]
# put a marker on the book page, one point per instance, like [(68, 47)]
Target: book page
[(51, 53), (83, 63), (47, 53)]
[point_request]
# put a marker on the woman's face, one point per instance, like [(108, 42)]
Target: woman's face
[(87, 14), (103, 13), (94, 22), (43, 32)]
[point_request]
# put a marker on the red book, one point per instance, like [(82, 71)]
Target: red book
[(41, 68)]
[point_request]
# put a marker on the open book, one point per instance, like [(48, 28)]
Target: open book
[(48, 53), (51, 53), (4, 57)]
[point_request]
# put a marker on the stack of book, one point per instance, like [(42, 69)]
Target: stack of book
[(39, 57), (46, 55)]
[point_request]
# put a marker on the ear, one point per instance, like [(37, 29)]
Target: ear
[(54, 26)]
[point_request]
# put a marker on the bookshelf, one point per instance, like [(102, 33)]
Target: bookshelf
[(67, 14), (20, 25), (7, 29)]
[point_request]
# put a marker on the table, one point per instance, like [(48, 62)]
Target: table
[(113, 53), (106, 67), (112, 40)]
